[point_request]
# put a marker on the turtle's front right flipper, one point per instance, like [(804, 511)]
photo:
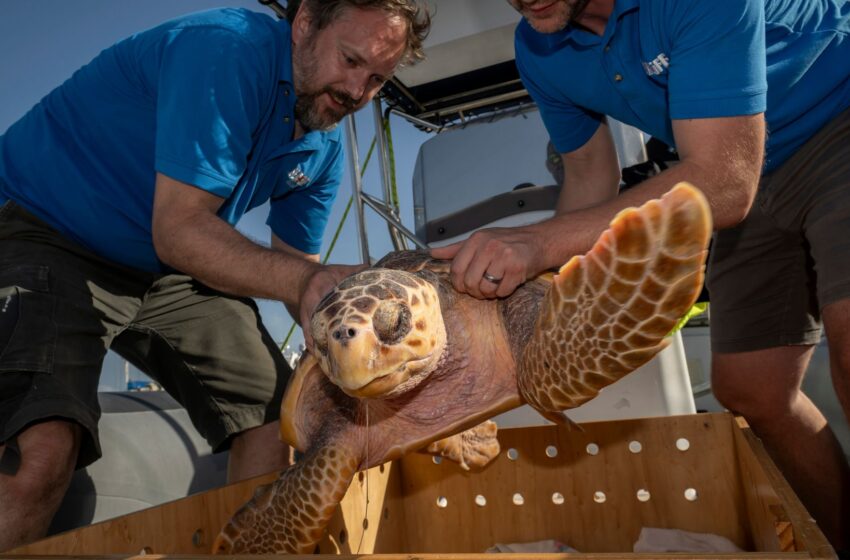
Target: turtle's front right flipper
[(610, 311), (289, 516)]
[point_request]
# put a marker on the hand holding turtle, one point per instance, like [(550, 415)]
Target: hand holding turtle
[(493, 262), (316, 284)]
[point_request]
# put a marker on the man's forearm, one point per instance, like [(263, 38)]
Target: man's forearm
[(573, 233), (210, 250)]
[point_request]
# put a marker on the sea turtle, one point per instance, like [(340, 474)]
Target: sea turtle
[(404, 362)]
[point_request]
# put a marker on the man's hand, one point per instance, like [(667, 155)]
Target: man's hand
[(509, 255), (321, 280)]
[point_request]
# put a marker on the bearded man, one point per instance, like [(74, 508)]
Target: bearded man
[(118, 196)]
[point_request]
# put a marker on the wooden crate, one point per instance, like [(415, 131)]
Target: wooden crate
[(705, 473)]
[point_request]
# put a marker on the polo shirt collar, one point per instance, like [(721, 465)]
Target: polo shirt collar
[(586, 38), (286, 51)]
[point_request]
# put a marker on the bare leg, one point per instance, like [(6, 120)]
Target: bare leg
[(836, 320), (30, 498), (764, 387), (257, 451)]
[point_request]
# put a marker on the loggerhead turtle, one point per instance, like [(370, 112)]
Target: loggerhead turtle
[(403, 360)]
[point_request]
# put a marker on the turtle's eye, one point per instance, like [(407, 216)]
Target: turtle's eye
[(391, 321)]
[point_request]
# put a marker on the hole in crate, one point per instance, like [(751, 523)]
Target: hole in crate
[(437, 460), (518, 499), (343, 536), (386, 513), (381, 468), (682, 444), (442, 502), (198, 539), (513, 454), (360, 476), (365, 524), (691, 494), (558, 498), (592, 449), (643, 495), (599, 497), (552, 451), (635, 447), (480, 500), (146, 550)]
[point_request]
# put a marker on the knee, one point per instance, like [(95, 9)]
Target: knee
[(744, 394), (728, 391), (47, 463)]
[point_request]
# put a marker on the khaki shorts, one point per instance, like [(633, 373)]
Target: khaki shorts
[(62, 307), (770, 276)]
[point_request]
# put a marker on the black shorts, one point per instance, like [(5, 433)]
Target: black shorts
[(62, 307), (771, 275)]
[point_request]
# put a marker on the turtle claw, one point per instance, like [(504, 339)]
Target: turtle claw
[(472, 449), (608, 312), (561, 419)]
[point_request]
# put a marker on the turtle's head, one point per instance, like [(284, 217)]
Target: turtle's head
[(379, 333)]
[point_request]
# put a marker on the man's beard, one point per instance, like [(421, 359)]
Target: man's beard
[(312, 117), (307, 109), (577, 9), (551, 25)]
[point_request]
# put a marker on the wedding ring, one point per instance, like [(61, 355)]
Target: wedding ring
[(490, 278)]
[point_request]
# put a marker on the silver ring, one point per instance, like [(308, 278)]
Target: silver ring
[(490, 278)]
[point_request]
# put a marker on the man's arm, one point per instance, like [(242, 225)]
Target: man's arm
[(721, 156), (591, 173), (190, 237)]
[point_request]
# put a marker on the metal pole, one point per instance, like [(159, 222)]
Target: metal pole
[(357, 187), (382, 210), (384, 162), (417, 121)]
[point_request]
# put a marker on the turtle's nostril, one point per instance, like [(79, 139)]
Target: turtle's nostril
[(344, 333)]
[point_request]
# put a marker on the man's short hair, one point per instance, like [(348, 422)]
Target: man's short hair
[(418, 19)]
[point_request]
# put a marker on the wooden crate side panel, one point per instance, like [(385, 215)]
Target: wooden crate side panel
[(185, 526), (771, 502), (581, 520), (369, 518)]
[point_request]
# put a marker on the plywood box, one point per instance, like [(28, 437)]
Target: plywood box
[(592, 489)]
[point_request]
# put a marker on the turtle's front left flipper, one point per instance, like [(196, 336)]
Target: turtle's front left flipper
[(289, 515), (610, 311), (472, 449)]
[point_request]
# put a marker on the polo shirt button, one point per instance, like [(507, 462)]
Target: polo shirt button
[(286, 92), (618, 77), (607, 48), (286, 119)]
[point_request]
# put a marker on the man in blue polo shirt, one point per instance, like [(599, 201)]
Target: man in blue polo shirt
[(118, 196), (754, 94)]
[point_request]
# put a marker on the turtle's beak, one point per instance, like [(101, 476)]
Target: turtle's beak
[(363, 366)]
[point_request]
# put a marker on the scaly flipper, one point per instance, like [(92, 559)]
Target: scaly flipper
[(472, 449), (609, 312), (289, 516)]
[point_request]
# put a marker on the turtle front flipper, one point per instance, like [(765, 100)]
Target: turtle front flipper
[(610, 311), (471, 449), (289, 515)]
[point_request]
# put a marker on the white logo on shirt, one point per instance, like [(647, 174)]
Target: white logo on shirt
[(297, 178), (657, 65)]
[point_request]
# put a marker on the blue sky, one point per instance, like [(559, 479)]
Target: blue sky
[(43, 43)]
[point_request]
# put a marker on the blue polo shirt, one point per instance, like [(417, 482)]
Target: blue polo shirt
[(660, 60), (206, 99)]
